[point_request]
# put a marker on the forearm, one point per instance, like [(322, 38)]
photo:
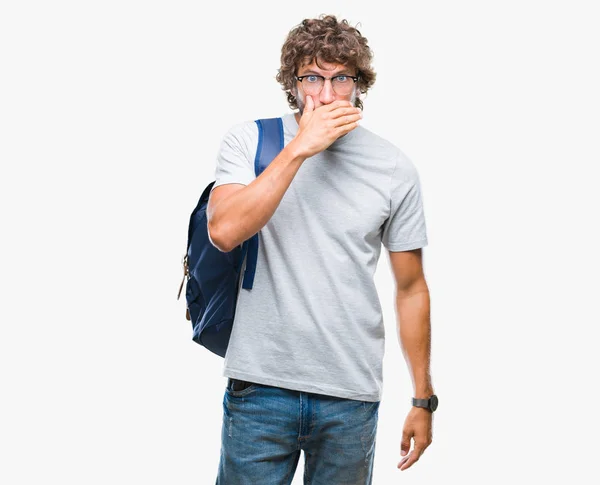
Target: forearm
[(413, 313), (242, 214)]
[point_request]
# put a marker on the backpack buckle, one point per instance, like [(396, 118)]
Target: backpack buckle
[(186, 272)]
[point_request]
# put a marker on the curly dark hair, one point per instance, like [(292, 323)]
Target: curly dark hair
[(325, 40)]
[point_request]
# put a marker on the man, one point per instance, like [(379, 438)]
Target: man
[(304, 359)]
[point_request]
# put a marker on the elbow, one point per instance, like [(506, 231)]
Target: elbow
[(216, 239)]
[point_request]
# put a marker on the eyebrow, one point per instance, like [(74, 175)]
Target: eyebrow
[(344, 72)]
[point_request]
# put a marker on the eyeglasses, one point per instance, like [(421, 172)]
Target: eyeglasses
[(341, 84)]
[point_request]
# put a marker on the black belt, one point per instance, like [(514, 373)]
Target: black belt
[(237, 384)]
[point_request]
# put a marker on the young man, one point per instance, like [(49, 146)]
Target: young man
[(304, 360)]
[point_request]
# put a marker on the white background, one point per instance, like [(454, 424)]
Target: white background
[(111, 115)]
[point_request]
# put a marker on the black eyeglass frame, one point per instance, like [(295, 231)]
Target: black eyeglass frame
[(354, 78)]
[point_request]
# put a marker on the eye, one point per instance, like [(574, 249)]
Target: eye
[(312, 79), (342, 79)]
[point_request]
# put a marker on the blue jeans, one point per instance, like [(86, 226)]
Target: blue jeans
[(265, 427)]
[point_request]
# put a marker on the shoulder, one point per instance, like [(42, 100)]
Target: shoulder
[(403, 168), (243, 130), (241, 136)]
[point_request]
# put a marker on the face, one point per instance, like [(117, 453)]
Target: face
[(327, 94)]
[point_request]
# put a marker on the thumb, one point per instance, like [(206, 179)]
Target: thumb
[(310, 104), (405, 443)]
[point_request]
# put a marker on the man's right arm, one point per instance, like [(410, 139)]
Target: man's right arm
[(236, 212)]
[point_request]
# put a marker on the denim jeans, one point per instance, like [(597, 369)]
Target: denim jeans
[(265, 427)]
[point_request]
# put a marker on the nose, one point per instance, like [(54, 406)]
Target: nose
[(327, 93)]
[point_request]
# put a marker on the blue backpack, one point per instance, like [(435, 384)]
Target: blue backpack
[(213, 276)]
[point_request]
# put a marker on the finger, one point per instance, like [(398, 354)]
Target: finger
[(344, 120), (342, 130), (403, 461), (337, 104), (409, 461), (405, 443), (338, 113), (412, 458)]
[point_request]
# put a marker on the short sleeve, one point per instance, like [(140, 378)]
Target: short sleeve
[(235, 159), (405, 228)]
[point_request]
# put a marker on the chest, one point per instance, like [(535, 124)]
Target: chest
[(337, 194)]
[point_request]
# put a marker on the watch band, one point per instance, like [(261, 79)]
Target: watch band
[(421, 403), (430, 404)]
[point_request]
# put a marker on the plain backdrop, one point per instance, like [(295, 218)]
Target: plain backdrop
[(111, 114)]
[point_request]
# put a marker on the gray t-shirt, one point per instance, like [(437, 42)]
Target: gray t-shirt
[(312, 321)]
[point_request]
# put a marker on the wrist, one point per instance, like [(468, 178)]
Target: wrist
[(424, 393), (430, 404), (295, 151)]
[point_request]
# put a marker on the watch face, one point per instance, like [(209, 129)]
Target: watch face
[(433, 402)]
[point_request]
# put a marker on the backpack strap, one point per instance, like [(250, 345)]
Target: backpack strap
[(270, 143)]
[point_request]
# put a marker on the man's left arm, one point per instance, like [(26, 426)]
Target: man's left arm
[(414, 329)]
